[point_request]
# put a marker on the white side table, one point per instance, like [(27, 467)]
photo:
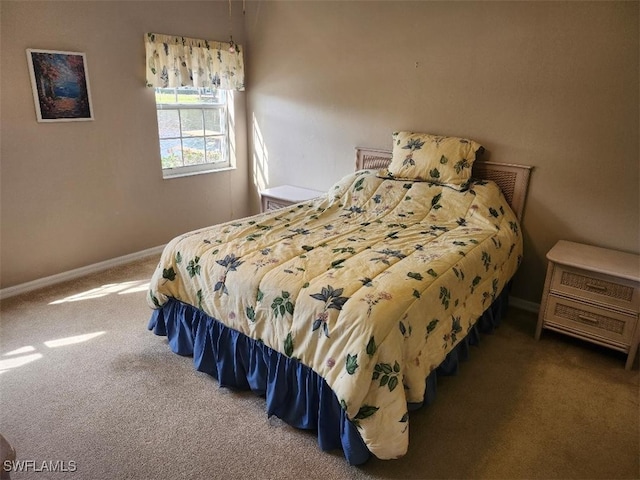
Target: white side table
[(593, 293), (285, 195)]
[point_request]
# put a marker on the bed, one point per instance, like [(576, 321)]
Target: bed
[(343, 310)]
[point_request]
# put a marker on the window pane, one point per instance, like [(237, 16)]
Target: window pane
[(166, 95), (191, 122), (215, 149), (168, 123), (188, 95), (193, 151), (213, 123), (212, 96), (171, 153)]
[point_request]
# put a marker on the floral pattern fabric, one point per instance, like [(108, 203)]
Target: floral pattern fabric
[(432, 158), (181, 61), (370, 285)]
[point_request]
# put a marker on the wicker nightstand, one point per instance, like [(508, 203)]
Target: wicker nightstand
[(285, 195), (592, 293)]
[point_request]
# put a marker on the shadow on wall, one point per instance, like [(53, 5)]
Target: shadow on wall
[(545, 223), (260, 158)]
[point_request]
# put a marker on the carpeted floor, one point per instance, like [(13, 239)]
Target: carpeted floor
[(83, 383)]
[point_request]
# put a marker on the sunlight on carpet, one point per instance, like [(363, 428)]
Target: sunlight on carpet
[(22, 359), (119, 288)]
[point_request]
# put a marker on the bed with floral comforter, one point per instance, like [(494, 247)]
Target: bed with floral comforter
[(369, 286)]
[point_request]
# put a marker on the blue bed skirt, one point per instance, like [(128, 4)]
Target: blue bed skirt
[(293, 392)]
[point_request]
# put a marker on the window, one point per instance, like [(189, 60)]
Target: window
[(193, 127)]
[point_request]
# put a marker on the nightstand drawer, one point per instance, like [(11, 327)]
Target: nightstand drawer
[(581, 318), (596, 287), (271, 204), (286, 195)]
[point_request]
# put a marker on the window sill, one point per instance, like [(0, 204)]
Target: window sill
[(169, 176)]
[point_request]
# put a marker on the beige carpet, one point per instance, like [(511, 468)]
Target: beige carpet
[(82, 380)]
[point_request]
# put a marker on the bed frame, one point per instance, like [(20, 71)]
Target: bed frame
[(512, 179)]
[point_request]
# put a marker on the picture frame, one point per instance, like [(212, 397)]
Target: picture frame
[(60, 84)]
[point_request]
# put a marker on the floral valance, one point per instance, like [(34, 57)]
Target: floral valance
[(181, 61)]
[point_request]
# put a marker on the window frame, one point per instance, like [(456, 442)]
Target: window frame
[(226, 109)]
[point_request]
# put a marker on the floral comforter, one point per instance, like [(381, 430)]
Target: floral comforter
[(370, 285)]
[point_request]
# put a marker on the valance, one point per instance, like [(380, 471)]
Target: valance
[(180, 61)]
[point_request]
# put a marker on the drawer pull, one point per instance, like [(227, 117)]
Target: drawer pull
[(587, 319), (593, 286)]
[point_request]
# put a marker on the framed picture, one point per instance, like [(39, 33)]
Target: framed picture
[(60, 85)]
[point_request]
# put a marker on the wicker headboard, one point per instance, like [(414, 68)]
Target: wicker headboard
[(512, 179)]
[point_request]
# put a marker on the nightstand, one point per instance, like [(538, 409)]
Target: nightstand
[(285, 195), (592, 293)]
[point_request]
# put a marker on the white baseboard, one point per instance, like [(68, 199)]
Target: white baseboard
[(77, 273), (524, 304)]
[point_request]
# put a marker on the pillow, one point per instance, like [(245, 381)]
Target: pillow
[(432, 158)]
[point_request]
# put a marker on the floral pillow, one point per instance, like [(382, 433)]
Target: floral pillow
[(432, 158)]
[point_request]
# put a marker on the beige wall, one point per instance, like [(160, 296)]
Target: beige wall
[(549, 84), (78, 193)]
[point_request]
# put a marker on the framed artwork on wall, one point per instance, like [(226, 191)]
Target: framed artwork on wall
[(60, 85)]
